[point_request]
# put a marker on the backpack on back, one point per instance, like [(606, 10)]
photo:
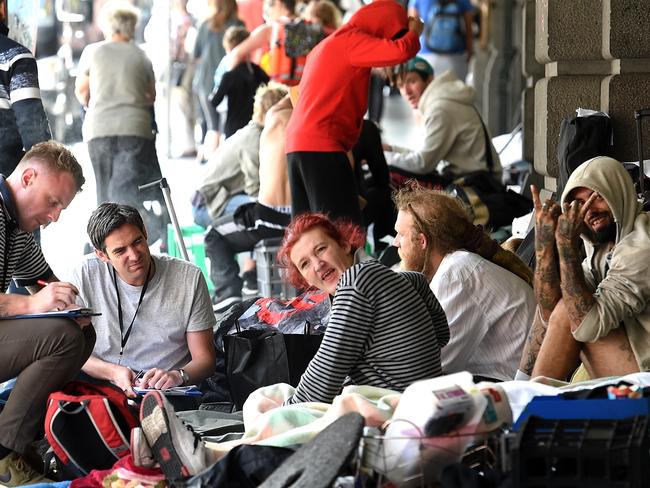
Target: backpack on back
[(444, 28), (89, 425), (291, 42)]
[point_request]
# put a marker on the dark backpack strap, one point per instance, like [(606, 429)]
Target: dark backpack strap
[(489, 159)]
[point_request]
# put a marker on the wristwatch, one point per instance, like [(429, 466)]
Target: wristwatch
[(184, 376)]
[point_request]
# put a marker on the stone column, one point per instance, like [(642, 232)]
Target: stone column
[(596, 55)]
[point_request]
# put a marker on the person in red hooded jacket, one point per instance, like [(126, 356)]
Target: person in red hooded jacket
[(333, 99)]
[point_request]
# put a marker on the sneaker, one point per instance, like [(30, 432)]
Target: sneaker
[(221, 305), (177, 448), (140, 449), (14, 471), (250, 282)]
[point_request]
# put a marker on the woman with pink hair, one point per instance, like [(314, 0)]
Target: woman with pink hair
[(386, 329)]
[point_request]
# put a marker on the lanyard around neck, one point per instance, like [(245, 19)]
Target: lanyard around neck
[(125, 337)]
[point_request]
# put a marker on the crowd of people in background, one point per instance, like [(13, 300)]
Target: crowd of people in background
[(282, 93)]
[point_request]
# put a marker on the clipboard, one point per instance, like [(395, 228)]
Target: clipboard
[(71, 314), (190, 390)]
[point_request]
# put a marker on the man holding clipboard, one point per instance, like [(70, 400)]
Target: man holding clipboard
[(157, 314), (42, 353)]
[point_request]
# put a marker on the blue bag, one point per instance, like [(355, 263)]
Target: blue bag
[(443, 31)]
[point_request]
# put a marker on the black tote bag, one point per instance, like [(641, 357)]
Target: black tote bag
[(256, 358)]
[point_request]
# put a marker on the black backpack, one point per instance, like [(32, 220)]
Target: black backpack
[(581, 138)]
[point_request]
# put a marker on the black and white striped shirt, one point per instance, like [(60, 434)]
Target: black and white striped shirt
[(386, 329), (24, 260)]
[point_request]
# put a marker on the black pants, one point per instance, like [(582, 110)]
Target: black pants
[(374, 185), (121, 163), (235, 233), (323, 182)]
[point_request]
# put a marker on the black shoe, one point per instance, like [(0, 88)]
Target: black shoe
[(220, 305), (250, 282)]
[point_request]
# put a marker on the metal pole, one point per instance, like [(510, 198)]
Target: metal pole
[(170, 210), (638, 115)]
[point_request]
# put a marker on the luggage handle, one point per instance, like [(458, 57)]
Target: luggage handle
[(63, 407)]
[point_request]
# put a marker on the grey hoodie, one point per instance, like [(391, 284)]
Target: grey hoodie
[(453, 133), (620, 277)]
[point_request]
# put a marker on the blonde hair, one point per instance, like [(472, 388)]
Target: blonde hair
[(119, 17), (325, 13), (446, 223), (56, 157), (265, 97)]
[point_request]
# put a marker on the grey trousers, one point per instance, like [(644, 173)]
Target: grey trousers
[(43, 354)]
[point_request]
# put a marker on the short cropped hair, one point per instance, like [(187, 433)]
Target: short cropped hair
[(56, 157), (234, 36), (119, 18), (265, 97), (108, 217)]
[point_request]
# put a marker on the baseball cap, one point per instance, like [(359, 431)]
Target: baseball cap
[(420, 65)]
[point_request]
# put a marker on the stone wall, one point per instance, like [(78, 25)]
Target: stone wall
[(596, 55)]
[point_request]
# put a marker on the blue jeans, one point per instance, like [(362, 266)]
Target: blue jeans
[(202, 217)]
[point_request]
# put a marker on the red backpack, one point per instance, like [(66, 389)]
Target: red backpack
[(89, 425)]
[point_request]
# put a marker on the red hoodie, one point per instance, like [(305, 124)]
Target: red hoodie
[(334, 86)]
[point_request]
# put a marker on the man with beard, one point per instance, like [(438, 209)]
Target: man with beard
[(483, 289), (597, 312)]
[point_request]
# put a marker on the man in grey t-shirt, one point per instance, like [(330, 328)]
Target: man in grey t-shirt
[(156, 311)]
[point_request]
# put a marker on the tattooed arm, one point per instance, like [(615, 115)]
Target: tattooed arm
[(577, 296), (533, 343), (547, 276)]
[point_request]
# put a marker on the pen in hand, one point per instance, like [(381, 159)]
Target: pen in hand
[(42, 283)]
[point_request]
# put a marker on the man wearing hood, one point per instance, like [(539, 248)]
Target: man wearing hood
[(454, 136), (328, 115), (597, 312)]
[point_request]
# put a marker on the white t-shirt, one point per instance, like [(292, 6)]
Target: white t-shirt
[(488, 309), (176, 301)]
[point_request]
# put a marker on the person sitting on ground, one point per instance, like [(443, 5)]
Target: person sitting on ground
[(231, 177), (333, 99), (41, 353), (252, 222), (454, 136), (386, 329), (156, 312), (484, 290), (597, 312), (238, 85)]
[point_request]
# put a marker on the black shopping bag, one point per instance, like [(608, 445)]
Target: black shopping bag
[(256, 358)]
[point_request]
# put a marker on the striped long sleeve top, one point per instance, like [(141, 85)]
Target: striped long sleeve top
[(23, 121), (386, 329)]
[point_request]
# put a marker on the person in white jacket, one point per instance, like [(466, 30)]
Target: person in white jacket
[(454, 136)]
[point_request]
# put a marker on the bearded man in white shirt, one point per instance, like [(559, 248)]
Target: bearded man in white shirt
[(484, 290)]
